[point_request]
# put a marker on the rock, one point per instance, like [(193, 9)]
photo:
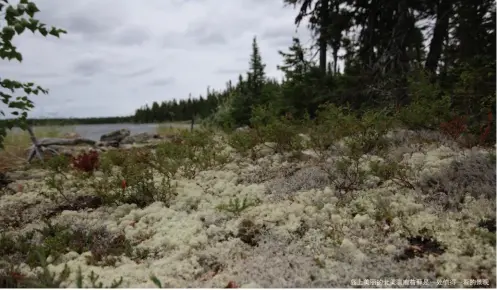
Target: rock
[(114, 144), (139, 138), (265, 149), (4, 180), (115, 136), (242, 129)]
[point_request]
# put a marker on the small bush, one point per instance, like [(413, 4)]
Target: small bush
[(345, 175), (236, 205), (283, 131), (58, 164), (392, 170), (428, 107), (198, 151), (372, 128), (360, 135), (244, 142), (115, 157), (133, 183), (54, 240)]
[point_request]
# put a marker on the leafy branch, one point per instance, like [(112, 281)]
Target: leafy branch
[(18, 18)]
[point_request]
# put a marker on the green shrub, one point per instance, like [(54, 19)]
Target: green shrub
[(429, 106), (360, 135), (283, 131), (244, 142), (236, 205), (392, 170), (132, 178), (331, 125)]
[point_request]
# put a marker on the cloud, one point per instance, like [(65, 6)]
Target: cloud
[(119, 56), (162, 81), (228, 71), (138, 72), (88, 67), (135, 35)]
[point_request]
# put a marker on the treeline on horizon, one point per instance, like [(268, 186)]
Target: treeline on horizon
[(386, 65), (77, 121)]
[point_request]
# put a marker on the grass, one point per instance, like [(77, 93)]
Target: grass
[(173, 129)]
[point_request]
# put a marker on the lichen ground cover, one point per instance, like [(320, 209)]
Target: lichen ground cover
[(299, 231)]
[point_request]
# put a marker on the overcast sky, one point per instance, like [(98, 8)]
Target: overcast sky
[(121, 55)]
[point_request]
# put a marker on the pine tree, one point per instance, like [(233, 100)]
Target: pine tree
[(250, 92), (256, 73), (294, 64)]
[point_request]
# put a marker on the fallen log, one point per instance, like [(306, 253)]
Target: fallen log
[(35, 149), (65, 142)]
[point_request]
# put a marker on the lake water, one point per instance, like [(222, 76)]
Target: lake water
[(95, 131)]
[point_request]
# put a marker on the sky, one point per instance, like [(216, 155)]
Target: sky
[(120, 55)]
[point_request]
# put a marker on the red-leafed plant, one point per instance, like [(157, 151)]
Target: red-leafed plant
[(232, 284), (455, 127), (485, 131), (86, 161), (458, 126)]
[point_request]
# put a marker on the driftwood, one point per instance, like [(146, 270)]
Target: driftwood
[(35, 149), (62, 141), (47, 142)]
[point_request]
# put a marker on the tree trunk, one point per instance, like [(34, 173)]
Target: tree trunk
[(371, 33), (323, 39), (444, 8)]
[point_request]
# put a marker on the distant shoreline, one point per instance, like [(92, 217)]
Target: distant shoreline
[(91, 121)]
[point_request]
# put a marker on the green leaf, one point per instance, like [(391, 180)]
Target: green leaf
[(33, 25), (54, 32), (7, 33), (21, 9), (43, 31), (19, 28), (32, 9), (10, 12), (18, 56)]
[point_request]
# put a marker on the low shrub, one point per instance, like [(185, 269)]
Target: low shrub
[(346, 175), (133, 182), (237, 205), (392, 170), (334, 126), (428, 107), (282, 131), (244, 142)]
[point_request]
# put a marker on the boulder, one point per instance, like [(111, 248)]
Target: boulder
[(115, 136), (140, 138)]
